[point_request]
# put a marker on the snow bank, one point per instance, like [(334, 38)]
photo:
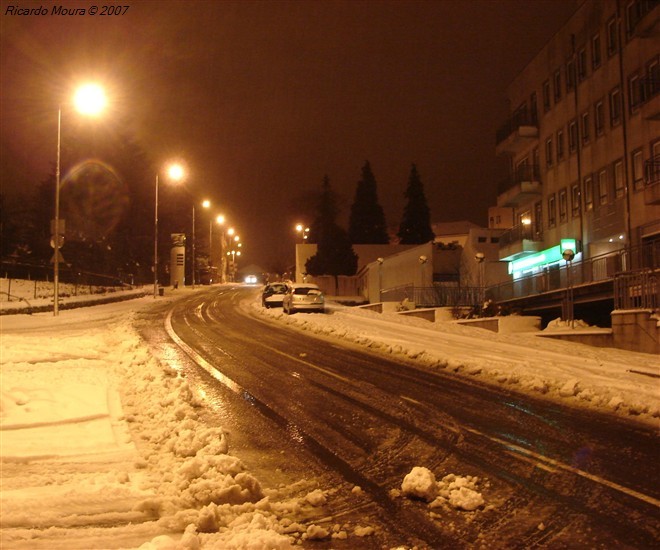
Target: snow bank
[(605, 379)]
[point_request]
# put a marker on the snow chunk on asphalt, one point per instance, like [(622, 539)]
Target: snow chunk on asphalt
[(420, 483)]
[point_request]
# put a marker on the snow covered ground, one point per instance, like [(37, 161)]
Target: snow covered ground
[(102, 446)]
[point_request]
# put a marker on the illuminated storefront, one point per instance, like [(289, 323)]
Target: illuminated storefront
[(545, 259)]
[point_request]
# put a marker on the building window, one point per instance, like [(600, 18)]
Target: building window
[(538, 219), (557, 86), (588, 193), (585, 128), (582, 64), (563, 206), (653, 77), (615, 107), (652, 172), (572, 136), (612, 37), (599, 121), (560, 145), (552, 211), (546, 96), (548, 152), (595, 51), (635, 92), (637, 169), (619, 184), (575, 200), (570, 76), (602, 187), (533, 110)]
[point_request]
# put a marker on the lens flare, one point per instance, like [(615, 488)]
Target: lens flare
[(94, 199)]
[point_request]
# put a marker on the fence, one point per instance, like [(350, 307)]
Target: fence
[(434, 296), (592, 270), (36, 272), (637, 290)]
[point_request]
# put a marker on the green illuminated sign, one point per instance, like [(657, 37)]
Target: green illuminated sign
[(544, 257)]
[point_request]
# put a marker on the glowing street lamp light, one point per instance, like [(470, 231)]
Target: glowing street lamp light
[(88, 100), (175, 172), (303, 230)]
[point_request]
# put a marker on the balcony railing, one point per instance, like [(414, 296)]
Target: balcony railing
[(523, 173), (637, 11), (519, 233), (519, 119), (652, 170), (643, 90)]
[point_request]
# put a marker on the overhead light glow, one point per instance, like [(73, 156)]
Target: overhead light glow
[(90, 99)]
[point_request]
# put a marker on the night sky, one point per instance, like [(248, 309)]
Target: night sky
[(263, 99)]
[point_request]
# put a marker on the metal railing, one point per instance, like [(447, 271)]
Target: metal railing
[(518, 233), (435, 296), (523, 173), (652, 171), (638, 289), (637, 11), (520, 118), (592, 270)]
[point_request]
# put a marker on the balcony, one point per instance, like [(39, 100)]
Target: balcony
[(522, 187), (519, 241), (645, 96), (517, 133), (652, 181), (643, 18)]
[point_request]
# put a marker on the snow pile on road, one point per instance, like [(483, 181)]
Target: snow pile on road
[(455, 491), (605, 379)]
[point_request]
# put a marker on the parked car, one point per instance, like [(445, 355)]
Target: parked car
[(273, 294), (303, 297)]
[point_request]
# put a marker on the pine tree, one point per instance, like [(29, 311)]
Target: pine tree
[(334, 255), (367, 220), (415, 225)]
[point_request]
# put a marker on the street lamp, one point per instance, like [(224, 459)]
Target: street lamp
[(568, 256), (380, 278), (480, 257), (304, 232), (89, 100), (205, 204), (220, 219), (175, 173)]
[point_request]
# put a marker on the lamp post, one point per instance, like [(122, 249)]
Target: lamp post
[(88, 100), (568, 256), (220, 220), (205, 204), (480, 257), (380, 278), (175, 172)]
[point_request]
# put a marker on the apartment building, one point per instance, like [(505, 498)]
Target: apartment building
[(583, 140)]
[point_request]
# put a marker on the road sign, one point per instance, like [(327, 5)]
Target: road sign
[(61, 259), (62, 225), (60, 242)]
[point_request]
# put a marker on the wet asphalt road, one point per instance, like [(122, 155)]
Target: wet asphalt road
[(551, 477)]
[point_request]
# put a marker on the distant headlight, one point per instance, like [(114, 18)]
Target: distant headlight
[(251, 279)]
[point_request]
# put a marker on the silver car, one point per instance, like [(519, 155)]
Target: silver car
[(303, 297)]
